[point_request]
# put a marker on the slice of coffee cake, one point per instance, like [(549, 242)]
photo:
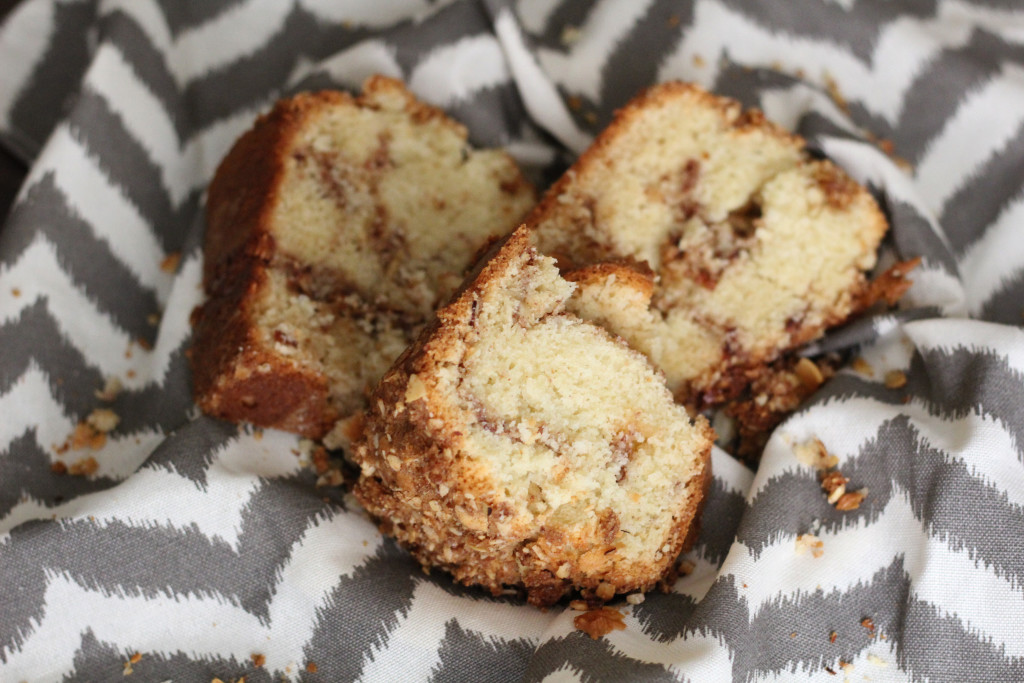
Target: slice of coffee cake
[(515, 445), (334, 228), (751, 247)]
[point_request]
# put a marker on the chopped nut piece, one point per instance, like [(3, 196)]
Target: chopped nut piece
[(851, 501), (103, 420), (600, 622), (170, 262), (635, 598), (833, 481), (863, 367), (809, 373), (579, 605), (805, 542), (605, 591), (258, 660), (894, 379)]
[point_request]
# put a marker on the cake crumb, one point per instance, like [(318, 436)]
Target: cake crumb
[(673, 21), (877, 661), (600, 622), (128, 670), (698, 61), (814, 454), (862, 367), (111, 388), (258, 659), (59, 468), (103, 420), (895, 379), (805, 542), (686, 567), (82, 436), (84, 467), (135, 658), (868, 623), (15, 292), (832, 87), (170, 262), (311, 667), (832, 637), (579, 605)]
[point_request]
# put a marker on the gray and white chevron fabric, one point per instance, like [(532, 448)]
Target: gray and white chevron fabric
[(197, 544)]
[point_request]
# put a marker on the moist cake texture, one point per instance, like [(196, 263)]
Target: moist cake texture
[(334, 228), (516, 445), (708, 238)]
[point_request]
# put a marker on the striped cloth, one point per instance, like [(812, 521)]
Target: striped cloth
[(199, 544)]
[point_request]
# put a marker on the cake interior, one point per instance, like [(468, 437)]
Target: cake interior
[(379, 210)]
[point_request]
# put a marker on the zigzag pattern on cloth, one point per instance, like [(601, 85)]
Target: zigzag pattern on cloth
[(199, 543)]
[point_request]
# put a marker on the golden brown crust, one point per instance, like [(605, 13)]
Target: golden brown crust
[(237, 379), (426, 493)]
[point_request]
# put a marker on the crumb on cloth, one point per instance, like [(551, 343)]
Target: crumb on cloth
[(600, 622)]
